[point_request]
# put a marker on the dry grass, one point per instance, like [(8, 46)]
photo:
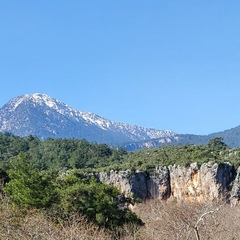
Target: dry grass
[(173, 220), (163, 221), (16, 224)]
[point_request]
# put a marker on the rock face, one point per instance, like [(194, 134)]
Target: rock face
[(134, 185), (235, 193), (140, 184), (201, 183), (158, 184), (208, 182)]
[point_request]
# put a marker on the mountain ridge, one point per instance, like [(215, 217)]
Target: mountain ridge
[(40, 115), (45, 117)]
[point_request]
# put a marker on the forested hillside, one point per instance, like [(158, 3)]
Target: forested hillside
[(59, 153), (34, 176), (55, 178), (80, 154)]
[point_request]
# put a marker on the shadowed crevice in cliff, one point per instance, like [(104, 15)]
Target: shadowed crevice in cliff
[(225, 176), (138, 185)]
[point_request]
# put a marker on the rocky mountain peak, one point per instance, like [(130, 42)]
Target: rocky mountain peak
[(41, 115)]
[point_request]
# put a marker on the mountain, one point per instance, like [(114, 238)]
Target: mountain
[(45, 117), (231, 137)]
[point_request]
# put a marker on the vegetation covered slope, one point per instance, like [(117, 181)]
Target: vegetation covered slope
[(50, 176), (35, 176), (80, 154), (216, 151)]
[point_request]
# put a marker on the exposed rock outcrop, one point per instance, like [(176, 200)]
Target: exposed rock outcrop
[(201, 183), (130, 184), (208, 182), (235, 193), (158, 184)]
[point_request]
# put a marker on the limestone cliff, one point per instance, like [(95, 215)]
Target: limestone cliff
[(195, 183), (235, 192), (201, 183)]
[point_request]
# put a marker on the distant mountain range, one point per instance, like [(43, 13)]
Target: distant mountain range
[(45, 117)]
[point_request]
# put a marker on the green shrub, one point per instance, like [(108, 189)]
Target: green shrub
[(97, 201)]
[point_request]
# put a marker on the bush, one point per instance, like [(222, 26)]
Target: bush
[(97, 201)]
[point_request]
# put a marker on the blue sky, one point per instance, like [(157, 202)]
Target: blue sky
[(162, 64)]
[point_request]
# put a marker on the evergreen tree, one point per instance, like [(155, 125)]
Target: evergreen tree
[(29, 187)]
